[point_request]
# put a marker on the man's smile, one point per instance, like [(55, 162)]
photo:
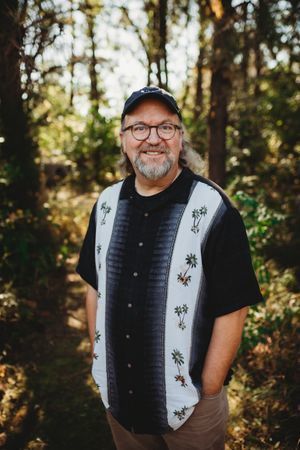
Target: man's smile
[(153, 153)]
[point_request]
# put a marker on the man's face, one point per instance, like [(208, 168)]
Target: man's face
[(154, 157)]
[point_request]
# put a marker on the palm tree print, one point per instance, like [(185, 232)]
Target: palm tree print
[(105, 210), (99, 295), (98, 249), (197, 215), (178, 359), (97, 336), (180, 414), (181, 312), (191, 261), (95, 356)]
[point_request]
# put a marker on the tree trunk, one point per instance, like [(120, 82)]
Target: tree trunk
[(258, 38), (18, 151), (162, 34), (72, 59), (157, 41), (219, 89), (198, 104), (246, 49), (94, 92)]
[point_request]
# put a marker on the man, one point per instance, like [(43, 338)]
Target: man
[(169, 275)]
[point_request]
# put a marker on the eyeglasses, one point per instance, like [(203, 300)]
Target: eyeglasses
[(141, 131)]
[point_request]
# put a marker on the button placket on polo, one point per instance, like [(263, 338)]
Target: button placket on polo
[(131, 339), (136, 274)]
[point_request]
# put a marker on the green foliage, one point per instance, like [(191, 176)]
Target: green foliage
[(95, 151), (32, 249), (261, 223), (197, 130), (263, 320), (247, 144)]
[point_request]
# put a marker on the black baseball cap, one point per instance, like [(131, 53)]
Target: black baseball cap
[(150, 92)]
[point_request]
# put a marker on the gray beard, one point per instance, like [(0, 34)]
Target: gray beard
[(153, 171)]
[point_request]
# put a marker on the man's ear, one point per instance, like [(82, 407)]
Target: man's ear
[(182, 140), (122, 149)]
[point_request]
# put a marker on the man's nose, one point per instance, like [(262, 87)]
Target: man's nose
[(153, 137)]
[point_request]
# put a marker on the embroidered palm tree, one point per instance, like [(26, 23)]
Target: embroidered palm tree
[(197, 215), (181, 312), (191, 261), (180, 414), (99, 294), (105, 210), (97, 336), (95, 356), (178, 359), (98, 249)]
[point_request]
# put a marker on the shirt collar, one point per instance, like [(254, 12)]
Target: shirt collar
[(177, 192)]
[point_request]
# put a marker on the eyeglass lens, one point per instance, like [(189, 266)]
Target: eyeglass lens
[(164, 131)]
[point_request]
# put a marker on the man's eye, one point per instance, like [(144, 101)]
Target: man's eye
[(166, 127), (139, 128)]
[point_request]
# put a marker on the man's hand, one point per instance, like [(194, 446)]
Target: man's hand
[(224, 343), (91, 310)]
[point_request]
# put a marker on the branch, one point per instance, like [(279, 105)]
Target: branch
[(136, 29)]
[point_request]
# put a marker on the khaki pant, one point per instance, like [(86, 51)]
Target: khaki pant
[(204, 430)]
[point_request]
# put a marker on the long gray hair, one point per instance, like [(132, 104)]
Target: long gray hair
[(188, 158)]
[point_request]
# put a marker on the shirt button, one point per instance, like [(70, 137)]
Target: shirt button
[(135, 274), (129, 305), (129, 366), (127, 336), (130, 391), (141, 244), (146, 214)]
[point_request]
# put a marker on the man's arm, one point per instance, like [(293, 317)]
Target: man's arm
[(224, 343), (91, 310)]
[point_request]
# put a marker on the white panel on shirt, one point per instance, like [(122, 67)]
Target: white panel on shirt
[(106, 211), (183, 288)]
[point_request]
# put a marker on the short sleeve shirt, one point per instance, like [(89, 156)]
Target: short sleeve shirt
[(230, 282)]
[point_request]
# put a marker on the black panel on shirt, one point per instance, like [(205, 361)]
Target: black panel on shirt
[(86, 266), (231, 281)]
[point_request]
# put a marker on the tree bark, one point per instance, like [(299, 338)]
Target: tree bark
[(219, 89), (156, 41), (257, 53), (72, 59), (198, 104), (246, 49), (18, 150), (162, 34), (94, 92)]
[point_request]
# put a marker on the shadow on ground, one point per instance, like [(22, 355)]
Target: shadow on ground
[(59, 407)]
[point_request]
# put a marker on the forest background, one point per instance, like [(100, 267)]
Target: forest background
[(66, 68)]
